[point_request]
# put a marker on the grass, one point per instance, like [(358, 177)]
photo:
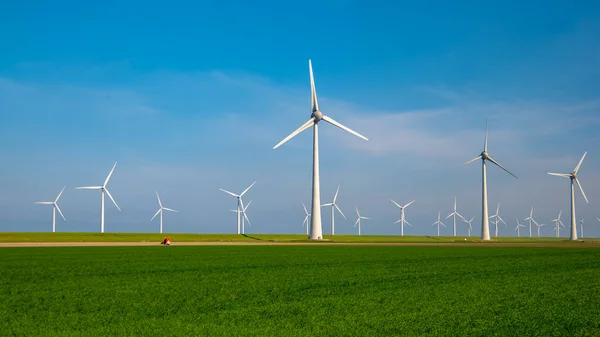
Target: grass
[(178, 237), (300, 290)]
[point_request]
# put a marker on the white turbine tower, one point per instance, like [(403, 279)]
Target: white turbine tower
[(244, 216), (334, 206), (104, 190), (54, 208), (574, 180), (539, 226), (402, 220), (469, 222), (316, 231), (358, 219), (438, 223), (530, 219), (581, 227), (160, 210), (558, 224), (497, 219), (484, 156), (517, 229), (455, 214), (306, 218), (240, 204)]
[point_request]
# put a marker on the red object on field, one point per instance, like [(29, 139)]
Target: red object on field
[(166, 241)]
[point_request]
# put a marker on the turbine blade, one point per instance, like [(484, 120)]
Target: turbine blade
[(59, 194), (246, 190), (58, 209), (336, 194), (472, 160), (329, 204), (357, 213), (579, 164), (303, 127), (170, 210), (247, 220), (111, 198), (89, 188), (406, 222), (565, 175), (231, 193), (334, 122), (313, 91), (356, 222), (581, 189), (157, 197), (305, 210), (248, 205), (44, 202), (339, 210), (500, 166), (160, 209), (410, 203), (364, 217), (110, 174), (395, 203)]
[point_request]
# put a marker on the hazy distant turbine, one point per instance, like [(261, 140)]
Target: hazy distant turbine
[(160, 211), (359, 217), (54, 209), (104, 190), (402, 220), (334, 206), (438, 223)]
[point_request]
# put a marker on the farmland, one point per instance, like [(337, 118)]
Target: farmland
[(297, 290)]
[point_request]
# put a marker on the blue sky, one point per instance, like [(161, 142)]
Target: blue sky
[(192, 96)]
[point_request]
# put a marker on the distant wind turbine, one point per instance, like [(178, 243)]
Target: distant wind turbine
[(438, 223), (240, 204), (306, 218), (581, 226), (574, 180), (485, 156), (539, 226), (455, 214), (517, 229), (104, 190), (530, 219), (402, 220), (160, 211), (359, 217), (558, 224), (316, 230), (469, 223), (54, 209), (244, 216), (334, 206), (497, 219)]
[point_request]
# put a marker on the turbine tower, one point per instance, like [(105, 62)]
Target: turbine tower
[(517, 229), (104, 190), (358, 219), (244, 216), (530, 219), (402, 220), (306, 218), (574, 180), (539, 226), (334, 206), (316, 231), (558, 224), (54, 208), (160, 210), (581, 227), (240, 203), (454, 214), (485, 156), (438, 223), (497, 219)]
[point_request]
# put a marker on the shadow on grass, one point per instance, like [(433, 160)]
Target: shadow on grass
[(254, 238)]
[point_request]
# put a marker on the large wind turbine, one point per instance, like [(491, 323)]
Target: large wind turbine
[(240, 203), (402, 220), (306, 218), (574, 180), (497, 219), (558, 224), (54, 208), (334, 206), (316, 231), (530, 219), (359, 217), (160, 210), (455, 214), (517, 229), (484, 156), (104, 190), (438, 223)]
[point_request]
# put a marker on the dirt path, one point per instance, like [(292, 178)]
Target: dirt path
[(265, 243)]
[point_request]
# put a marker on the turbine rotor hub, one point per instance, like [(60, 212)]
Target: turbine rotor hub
[(485, 155), (317, 115)]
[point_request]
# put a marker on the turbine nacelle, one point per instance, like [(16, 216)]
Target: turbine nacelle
[(485, 155), (317, 115)]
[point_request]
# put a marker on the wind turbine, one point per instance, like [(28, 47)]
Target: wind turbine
[(454, 214), (438, 223), (517, 229), (469, 222), (538, 228), (305, 222), (485, 225), (402, 220), (334, 206), (530, 219), (497, 219), (574, 180), (581, 227), (358, 219), (316, 231), (240, 203), (160, 210), (104, 190), (558, 224), (54, 208), (244, 216)]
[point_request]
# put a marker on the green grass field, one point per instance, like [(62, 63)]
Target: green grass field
[(154, 237), (300, 290)]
